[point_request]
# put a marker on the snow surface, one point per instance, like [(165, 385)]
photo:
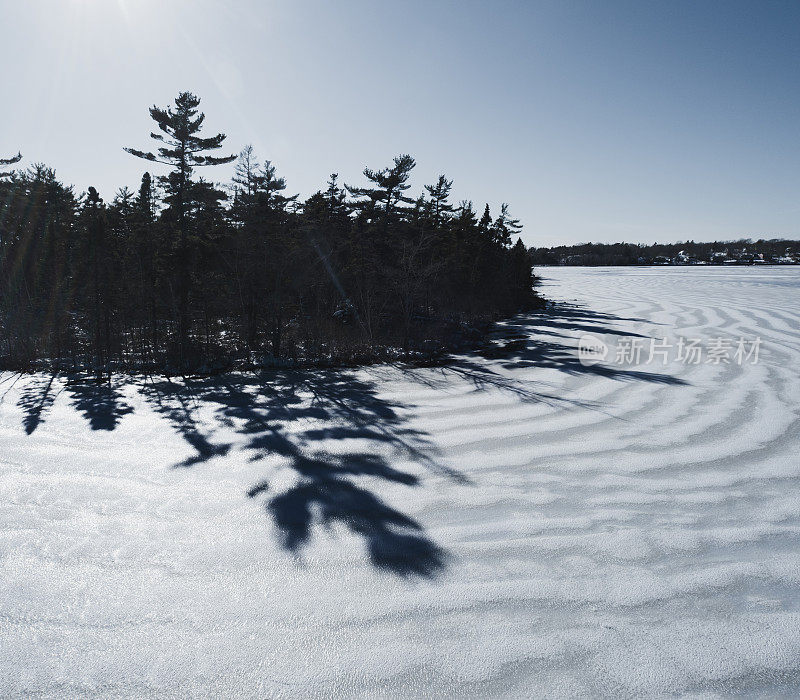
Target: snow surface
[(514, 525)]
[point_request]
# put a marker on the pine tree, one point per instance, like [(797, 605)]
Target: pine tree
[(9, 161), (485, 224), (124, 200), (98, 256), (335, 196), (276, 250), (36, 218), (147, 253), (260, 251), (520, 276), (332, 277), (146, 199), (390, 185), (184, 150), (439, 193), (245, 174), (243, 254), (505, 227)]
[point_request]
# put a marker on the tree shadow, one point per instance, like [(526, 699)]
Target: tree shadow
[(339, 436), (177, 403), (483, 377), (35, 400), (311, 418), (567, 313), (519, 343), (395, 542), (329, 487), (100, 402), (563, 358)]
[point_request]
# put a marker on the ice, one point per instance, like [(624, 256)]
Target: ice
[(514, 524)]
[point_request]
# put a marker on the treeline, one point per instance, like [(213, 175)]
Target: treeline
[(183, 274), (642, 254)]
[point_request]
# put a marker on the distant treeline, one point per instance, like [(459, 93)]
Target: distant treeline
[(183, 274), (743, 250)]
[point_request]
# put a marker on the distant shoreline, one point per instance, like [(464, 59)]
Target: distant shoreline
[(777, 251), (659, 265)]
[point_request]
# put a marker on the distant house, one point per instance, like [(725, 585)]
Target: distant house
[(719, 257), (572, 260)]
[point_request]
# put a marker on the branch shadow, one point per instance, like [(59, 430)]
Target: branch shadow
[(35, 400), (519, 343), (177, 403), (339, 436), (100, 403), (329, 487), (311, 418), (395, 542)]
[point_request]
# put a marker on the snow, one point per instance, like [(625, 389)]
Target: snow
[(514, 525)]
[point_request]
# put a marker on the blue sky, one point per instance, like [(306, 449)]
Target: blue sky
[(603, 121)]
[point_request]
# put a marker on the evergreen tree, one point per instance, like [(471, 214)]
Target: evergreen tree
[(146, 252), (390, 184), (485, 224), (439, 194), (98, 260), (149, 275), (146, 198), (245, 174), (9, 161), (184, 150), (335, 196), (36, 220), (505, 227), (520, 276)]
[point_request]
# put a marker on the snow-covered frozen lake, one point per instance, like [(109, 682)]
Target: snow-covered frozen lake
[(517, 524)]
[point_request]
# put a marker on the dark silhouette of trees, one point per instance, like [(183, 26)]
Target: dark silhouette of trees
[(741, 251), (37, 220), (97, 258), (184, 151), (183, 275)]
